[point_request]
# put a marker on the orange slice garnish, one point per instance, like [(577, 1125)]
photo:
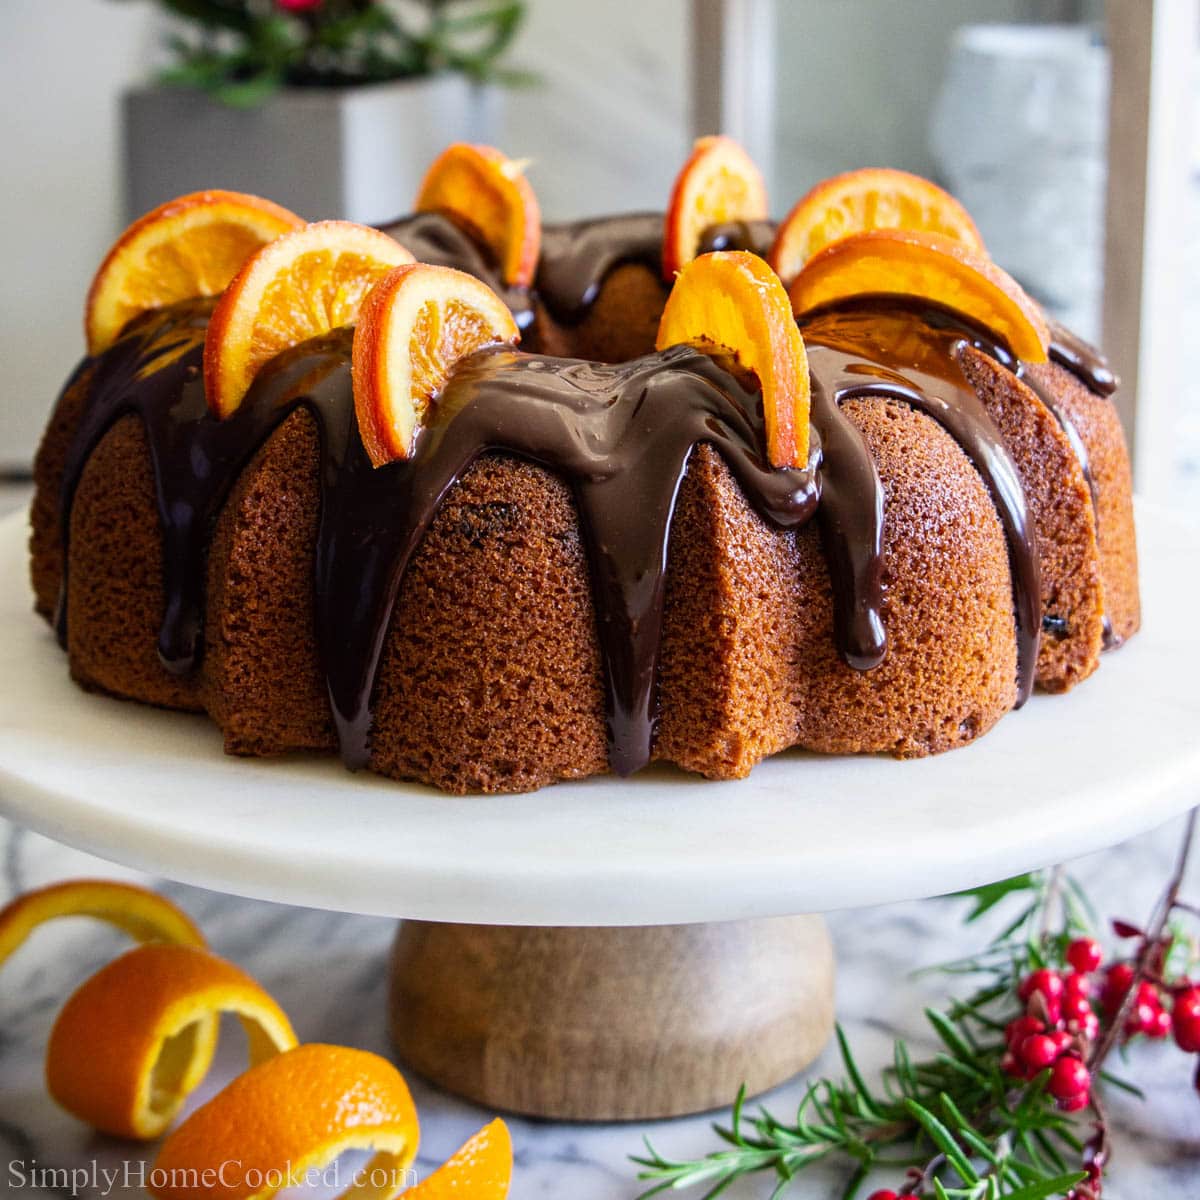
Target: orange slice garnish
[(415, 324), (137, 1038), (300, 286), (190, 246), (901, 263), (144, 915), (481, 1169), (873, 198), (287, 1117), (718, 183), (489, 192), (732, 302)]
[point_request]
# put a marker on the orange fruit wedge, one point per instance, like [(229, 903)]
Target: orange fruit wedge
[(287, 1117), (144, 915), (300, 286), (902, 263), (190, 246), (415, 324), (481, 1168), (138, 1037), (718, 183), (874, 198), (489, 192), (731, 302)]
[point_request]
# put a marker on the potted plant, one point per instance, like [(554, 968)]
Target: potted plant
[(331, 107)]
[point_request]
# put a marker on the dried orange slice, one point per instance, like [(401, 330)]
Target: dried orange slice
[(481, 1168), (298, 287), (138, 1037), (731, 301), (415, 324), (190, 246), (281, 1120), (719, 182), (901, 263), (874, 198), (144, 915), (489, 191)]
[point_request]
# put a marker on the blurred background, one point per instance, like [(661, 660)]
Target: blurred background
[(114, 105)]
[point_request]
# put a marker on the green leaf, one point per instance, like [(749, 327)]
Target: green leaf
[(988, 895), (1058, 1186), (949, 1034), (944, 1140), (856, 1078)]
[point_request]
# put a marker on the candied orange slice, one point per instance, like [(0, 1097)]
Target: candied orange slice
[(137, 1038), (902, 263), (718, 183), (415, 324), (481, 1168), (292, 1115), (732, 302), (873, 198), (489, 192), (144, 915), (190, 246), (300, 286)]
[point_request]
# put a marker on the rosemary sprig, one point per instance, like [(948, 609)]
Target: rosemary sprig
[(956, 1125)]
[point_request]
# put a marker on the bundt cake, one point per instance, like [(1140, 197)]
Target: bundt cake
[(317, 492)]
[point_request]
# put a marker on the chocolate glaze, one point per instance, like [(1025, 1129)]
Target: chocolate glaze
[(892, 346), (438, 238), (619, 435), (577, 257), (1082, 359)]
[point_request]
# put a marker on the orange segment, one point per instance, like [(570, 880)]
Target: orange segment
[(481, 1169), (900, 263), (733, 302), (138, 1037), (190, 246), (489, 192), (287, 1117), (300, 286), (718, 183), (144, 915), (874, 198), (415, 324)]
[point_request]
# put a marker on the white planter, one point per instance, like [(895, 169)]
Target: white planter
[(357, 153)]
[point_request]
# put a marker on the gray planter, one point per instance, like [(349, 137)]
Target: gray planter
[(357, 153)]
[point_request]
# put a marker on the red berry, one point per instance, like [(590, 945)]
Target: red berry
[(1048, 982), (1009, 1065), (1117, 982), (1074, 1103), (1187, 1033), (1023, 1027), (1040, 1051), (884, 1194), (1087, 1027), (1062, 1040), (1162, 1024), (1069, 1078), (1187, 1004), (1084, 954), (1076, 987), (1076, 1007)]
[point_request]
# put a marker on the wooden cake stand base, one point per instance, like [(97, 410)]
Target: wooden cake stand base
[(594, 1024)]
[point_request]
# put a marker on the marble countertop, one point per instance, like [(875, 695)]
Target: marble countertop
[(328, 972)]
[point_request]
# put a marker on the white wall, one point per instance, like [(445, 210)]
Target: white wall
[(61, 64)]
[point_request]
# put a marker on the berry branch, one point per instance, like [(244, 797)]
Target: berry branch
[(1010, 1106)]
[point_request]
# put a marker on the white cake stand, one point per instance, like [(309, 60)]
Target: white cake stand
[(569, 1021)]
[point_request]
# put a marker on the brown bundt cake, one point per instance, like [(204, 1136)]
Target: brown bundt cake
[(588, 562)]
